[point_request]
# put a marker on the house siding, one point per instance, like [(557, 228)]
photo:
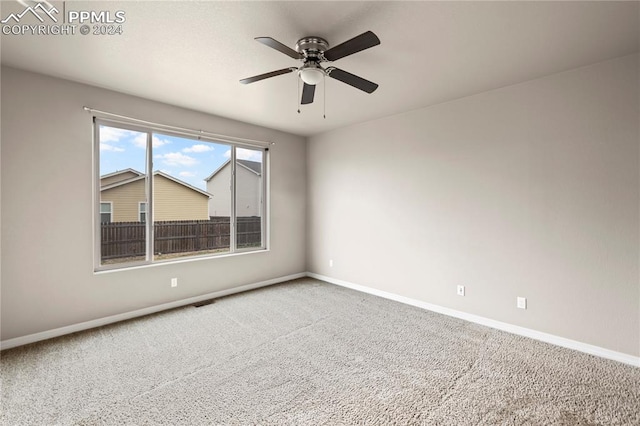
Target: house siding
[(247, 193), (248, 189), (218, 186), (125, 200), (173, 201)]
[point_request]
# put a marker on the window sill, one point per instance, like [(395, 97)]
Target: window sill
[(141, 265)]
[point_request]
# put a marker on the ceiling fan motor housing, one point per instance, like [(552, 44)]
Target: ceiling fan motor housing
[(312, 48)]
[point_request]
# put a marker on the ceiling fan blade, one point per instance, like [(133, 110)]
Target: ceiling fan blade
[(349, 47), (275, 44), (352, 79), (307, 94), (267, 75)]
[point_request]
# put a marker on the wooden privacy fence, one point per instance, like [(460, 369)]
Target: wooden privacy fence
[(128, 239)]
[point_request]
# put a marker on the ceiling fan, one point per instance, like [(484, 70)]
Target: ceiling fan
[(313, 51)]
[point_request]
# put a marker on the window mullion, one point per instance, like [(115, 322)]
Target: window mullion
[(264, 206), (149, 191), (232, 217)]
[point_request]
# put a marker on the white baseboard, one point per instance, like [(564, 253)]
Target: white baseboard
[(36, 337), (510, 328)]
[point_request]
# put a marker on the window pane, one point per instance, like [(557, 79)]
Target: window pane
[(249, 197), (123, 170), (196, 198), (191, 197)]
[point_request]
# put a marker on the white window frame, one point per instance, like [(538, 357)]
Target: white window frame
[(140, 212), (150, 129), (100, 212)]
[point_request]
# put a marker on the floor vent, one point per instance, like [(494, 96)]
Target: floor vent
[(203, 303)]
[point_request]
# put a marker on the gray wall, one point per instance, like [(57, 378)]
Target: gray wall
[(530, 190), (47, 235)]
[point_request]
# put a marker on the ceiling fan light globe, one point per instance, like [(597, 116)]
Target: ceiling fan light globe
[(311, 76)]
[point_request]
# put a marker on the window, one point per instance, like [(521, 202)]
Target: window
[(175, 196), (249, 202), (142, 211), (105, 212)]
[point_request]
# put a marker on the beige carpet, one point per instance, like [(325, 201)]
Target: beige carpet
[(310, 353)]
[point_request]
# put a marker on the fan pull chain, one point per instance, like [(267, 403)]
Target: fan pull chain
[(298, 100), (324, 96)]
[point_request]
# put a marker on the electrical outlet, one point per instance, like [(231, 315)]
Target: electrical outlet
[(522, 302), (330, 263), (460, 290), (174, 282)]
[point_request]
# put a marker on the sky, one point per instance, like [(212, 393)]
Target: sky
[(189, 160)]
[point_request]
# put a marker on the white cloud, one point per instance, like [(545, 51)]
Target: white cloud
[(248, 154), (198, 148), (245, 154), (141, 141), (177, 159), (157, 142), (107, 147), (186, 174), (113, 134)]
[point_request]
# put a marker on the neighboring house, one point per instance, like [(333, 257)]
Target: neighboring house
[(123, 196), (248, 189), (118, 176)]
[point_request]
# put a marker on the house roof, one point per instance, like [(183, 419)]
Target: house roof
[(119, 172), (252, 166), (156, 173), (255, 166)]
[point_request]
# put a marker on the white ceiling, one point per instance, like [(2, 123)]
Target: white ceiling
[(192, 54)]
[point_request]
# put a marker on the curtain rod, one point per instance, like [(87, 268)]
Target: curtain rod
[(211, 135)]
